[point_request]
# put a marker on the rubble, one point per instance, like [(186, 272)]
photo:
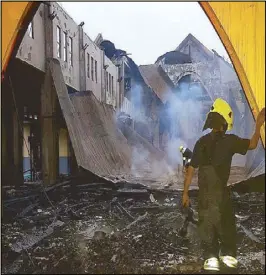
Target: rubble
[(100, 232)]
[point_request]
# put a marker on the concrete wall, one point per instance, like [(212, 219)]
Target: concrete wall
[(112, 95), (76, 74), (68, 25), (32, 48), (120, 64), (93, 52)]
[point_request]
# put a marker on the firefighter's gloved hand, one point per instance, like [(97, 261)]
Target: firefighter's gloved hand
[(185, 200), (261, 118)]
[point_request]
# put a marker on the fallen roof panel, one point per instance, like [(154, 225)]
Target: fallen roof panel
[(99, 146), (153, 76)]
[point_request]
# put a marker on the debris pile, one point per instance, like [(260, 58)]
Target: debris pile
[(121, 228)]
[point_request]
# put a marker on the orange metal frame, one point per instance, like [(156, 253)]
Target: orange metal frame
[(14, 28)]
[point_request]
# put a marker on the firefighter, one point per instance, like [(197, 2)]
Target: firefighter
[(187, 155), (213, 154)]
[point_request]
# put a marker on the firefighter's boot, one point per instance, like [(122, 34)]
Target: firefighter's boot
[(212, 264), (229, 261)]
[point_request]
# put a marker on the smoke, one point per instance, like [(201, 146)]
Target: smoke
[(186, 116), (132, 105), (145, 165), (139, 160), (183, 117), (136, 98), (172, 151)]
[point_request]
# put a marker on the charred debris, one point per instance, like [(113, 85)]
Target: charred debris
[(115, 227)]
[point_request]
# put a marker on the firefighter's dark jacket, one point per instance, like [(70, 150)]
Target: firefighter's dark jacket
[(217, 150)]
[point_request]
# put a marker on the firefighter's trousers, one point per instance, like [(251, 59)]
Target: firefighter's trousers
[(217, 225)]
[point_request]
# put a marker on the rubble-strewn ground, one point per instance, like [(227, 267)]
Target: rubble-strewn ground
[(104, 230)]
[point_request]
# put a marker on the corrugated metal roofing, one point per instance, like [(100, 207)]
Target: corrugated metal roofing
[(99, 146), (153, 76)]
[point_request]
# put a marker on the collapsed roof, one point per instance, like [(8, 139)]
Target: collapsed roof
[(157, 79), (113, 53), (174, 57)]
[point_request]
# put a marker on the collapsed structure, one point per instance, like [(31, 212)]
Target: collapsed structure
[(103, 227), (103, 112)]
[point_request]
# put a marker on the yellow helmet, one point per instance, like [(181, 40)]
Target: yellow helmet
[(181, 148), (221, 107)]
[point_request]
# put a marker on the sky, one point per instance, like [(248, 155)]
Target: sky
[(146, 30)]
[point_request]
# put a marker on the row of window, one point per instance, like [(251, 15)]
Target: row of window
[(67, 46), (109, 83), (92, 73), (92, 67), (67, 43)]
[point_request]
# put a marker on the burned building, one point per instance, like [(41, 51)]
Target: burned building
[(138, 96), (185, 103), (29, 149), (193, 67)]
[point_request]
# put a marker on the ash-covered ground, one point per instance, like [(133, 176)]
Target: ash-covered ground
[(97, 229)]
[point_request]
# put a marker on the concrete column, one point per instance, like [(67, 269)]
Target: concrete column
[(49, 133), (49, 129), (82, 61), (48, 30)]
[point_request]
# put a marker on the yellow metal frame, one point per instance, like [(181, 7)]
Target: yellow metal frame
[(241, 28), (16, 17)]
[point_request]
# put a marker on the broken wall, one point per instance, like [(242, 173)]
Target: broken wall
[(32, 49), (77, 75)]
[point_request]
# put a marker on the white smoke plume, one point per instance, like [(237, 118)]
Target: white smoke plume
[(139, 161), (187, 115)]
